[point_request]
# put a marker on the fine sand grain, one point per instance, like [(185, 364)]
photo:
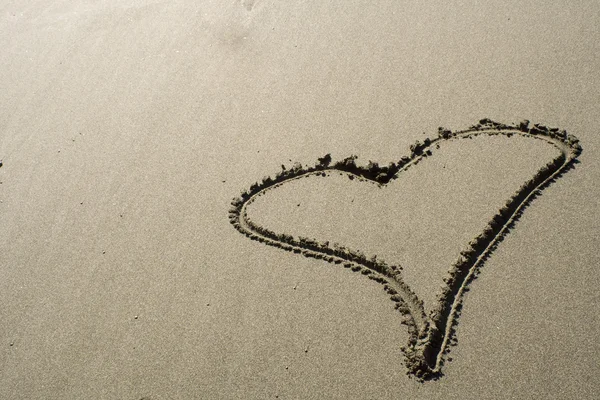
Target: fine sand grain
[(127, 128)]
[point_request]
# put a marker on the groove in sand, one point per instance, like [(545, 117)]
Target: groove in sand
[(429, 335)]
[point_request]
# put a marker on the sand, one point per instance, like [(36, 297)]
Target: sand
[(126, 130)]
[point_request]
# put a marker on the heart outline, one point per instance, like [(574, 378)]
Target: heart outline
[(429, 336)]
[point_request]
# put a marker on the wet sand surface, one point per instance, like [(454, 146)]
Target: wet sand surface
[(126, 130)]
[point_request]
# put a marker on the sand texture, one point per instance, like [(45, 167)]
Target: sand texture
[(259, 199)]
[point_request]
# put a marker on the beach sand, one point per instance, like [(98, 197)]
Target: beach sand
[(127, 129)]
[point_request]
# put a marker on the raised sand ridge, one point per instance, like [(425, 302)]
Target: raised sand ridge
[(429, 335)]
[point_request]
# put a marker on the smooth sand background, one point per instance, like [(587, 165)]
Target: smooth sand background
[(126, 129)]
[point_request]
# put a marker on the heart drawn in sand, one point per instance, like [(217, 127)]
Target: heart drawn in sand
[(429, 335)]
